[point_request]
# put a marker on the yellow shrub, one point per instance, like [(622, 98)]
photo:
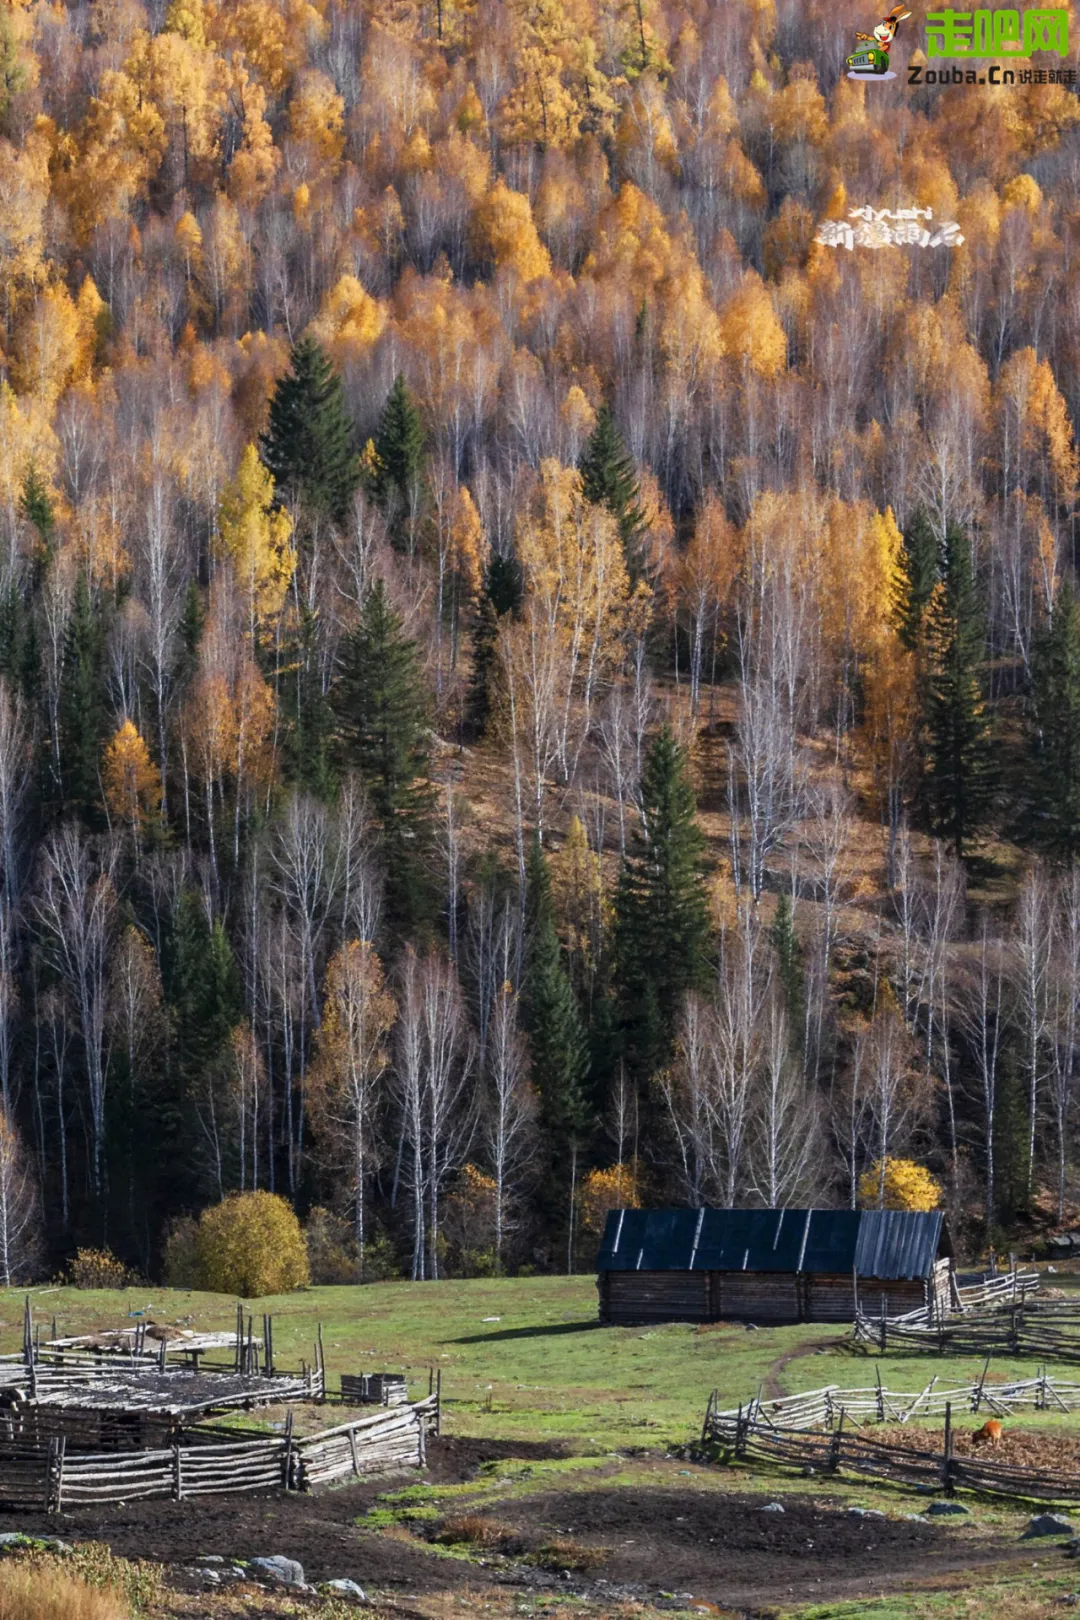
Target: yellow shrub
[(907, 1186), (97, 1268), (251, 1244)]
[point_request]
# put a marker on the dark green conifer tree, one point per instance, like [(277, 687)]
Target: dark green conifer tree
[(661, 919), (558, 1049), (399, 451), (920, 569), (382, 714), (501, 596), (80, 711), (308, 446), (36, 505), (608, 479), (790, 967), (958, 774), (1053, 784)]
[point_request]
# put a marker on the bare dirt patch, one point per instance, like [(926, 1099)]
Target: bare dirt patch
[(1053, 1451)]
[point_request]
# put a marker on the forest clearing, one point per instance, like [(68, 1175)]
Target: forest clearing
[(566, 1448)]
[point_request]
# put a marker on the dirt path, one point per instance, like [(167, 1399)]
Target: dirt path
[(771, 1389)]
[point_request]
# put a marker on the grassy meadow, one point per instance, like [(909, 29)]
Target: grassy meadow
[(521, 1358)]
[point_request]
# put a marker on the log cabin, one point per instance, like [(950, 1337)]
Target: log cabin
[(771, 1265)]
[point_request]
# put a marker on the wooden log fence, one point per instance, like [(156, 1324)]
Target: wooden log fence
[(826, 1431), (51, 1475), (1044, 1329)]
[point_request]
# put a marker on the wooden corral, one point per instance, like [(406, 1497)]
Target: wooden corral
[(762, 1265)]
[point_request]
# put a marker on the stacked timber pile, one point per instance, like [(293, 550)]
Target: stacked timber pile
[(1046, 1329)]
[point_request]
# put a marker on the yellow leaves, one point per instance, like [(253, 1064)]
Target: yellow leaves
[(858, 575), (254, 165), (798, 110), (358, 1014), (578, 418), (92, 314), (603, 1191), (645, 134), (188, 238), (255, 537), (251, 1245), (132, 785), (26, 437), (107, 163), (904, 1185), (469, 113), (188, 19), (577, 895), (24, 190), (504, 230), (750, 329), (349, 318), (1035, 417), (317, 118), (1023, 192), (47, 345), (468, 544)]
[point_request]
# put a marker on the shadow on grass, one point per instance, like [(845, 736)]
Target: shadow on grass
[(528, 1332)]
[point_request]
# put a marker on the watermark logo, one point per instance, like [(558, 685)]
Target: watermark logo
[(888, 227), (870, 58)]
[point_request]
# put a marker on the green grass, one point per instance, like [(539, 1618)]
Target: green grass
[(543, 1370)]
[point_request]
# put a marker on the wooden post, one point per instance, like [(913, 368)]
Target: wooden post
[(239, 1337), (438, 1401), (61, 1449), (880, 1397), (270, 1345), (162, 1351), (322, 1362), (50, 1474), (979, 1389), (834, 1447), (946, 1460), (28, 1335), (287, 1457), (353, 1451), (177, 1475), (882, 1330)]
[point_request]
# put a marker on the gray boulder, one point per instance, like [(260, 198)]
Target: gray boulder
[(283, 1571), (344, 1588), (944, 1510), (1046, 1524)]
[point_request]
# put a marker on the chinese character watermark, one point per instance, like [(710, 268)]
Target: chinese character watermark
[(886, 227), (963, 34)]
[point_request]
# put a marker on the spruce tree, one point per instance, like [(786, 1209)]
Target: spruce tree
[(661, 920), (920, 563), (501, 596), (382, 714), (308, 446), (399, 450), (1054, 747), (36, 505), (958, 776), (80, 711), (558, 1051), (608, 479), (790, 968)]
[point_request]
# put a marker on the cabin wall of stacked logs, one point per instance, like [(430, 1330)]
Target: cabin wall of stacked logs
[(782, 1434)]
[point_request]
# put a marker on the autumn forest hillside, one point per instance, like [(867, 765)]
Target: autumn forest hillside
[(527, 681)]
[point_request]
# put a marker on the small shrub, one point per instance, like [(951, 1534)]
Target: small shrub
[(30, 1591), (251, 1244), (182, 1252), (97, 1268), (331, 1248), (562, 1553), (473, 1530), (605, 1190)]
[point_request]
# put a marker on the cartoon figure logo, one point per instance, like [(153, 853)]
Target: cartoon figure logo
[(870, 59)]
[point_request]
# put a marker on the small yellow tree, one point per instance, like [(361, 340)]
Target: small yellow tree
[(250, 1245), (131, 782), (906, 1185), (605, 1190), (255, 537)]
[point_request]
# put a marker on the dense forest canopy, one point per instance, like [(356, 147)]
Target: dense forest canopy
[(527, 680)]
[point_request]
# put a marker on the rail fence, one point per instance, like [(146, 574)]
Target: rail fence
[(47, 1475), (1044, 1329), (824, 1431)]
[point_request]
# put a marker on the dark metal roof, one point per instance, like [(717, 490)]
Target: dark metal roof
[(891, 1244)]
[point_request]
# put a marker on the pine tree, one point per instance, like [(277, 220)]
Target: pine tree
[(382, 709), (789, 965), (308, 446), (36, 505), (958, 776), (558, 1050), (81, 712), (609, 479), (1054, 747), (920, 563), (661, 921), (501, 596), (399, 450)]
